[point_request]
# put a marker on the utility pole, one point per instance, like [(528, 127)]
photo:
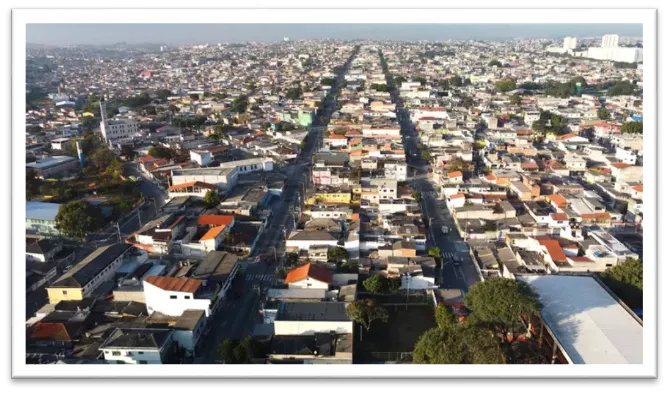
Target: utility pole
[(118, 228)]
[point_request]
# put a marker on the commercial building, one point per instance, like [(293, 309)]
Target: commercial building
[(585, 323), (53, 166), (223, 178), (41, 218), (89, 274)]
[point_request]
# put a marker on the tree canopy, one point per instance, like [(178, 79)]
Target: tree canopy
[(444, 317), (632, 127), (78, 218), (211, 198), (626, 281), (160, 152), (336, 254), (328, 81), (240, 104), (239, 352), (505, 85), (494, 63), (294, 93), (378, 284), (603, 114), (498, 303), (457, 344), (366, 311), (621, 88)]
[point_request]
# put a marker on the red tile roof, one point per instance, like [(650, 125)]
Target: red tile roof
[(554, 249), (192, 184), (212, 233), (144, 159), (567, 136), (454, 174), (559, 200), (315, 272), (335, 136), (215, 219), (620, 165), (49, 331), (457, 196), (176, 284), (559, 216), (638, 188)]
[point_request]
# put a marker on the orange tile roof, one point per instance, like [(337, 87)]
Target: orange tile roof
[(315, 272), (490, 177), (559, 216), (566, 136), (200, 184), (144, 159), (335, 136), (212, 233), (176, 284), (559, 200), (454, 174), (215, 219), (49, 331), (638, 188), (620, 165), (353, 133), (457, 196), (554, 249)]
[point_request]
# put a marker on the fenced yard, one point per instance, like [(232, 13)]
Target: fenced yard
[(394, 340)]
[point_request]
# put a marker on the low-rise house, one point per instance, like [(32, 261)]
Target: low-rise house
[(305, 318), (311, 276), (138, 346), (174, 295)]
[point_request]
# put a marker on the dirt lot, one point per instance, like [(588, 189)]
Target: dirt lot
[(399, 334)]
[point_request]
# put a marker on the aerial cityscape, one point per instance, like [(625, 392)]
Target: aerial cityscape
[(340, 200)]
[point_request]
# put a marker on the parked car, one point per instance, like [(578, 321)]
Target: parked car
[(445, 229)]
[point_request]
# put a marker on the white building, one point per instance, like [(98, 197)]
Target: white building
[(172, 296), (627, 55), (137, 346), (570, 43), (626, 156), (610, 41), (262, 164), (202, 157), (223, 178), (396, 170), (309, 318)]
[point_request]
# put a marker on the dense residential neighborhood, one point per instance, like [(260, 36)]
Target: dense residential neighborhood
[(335, 202)]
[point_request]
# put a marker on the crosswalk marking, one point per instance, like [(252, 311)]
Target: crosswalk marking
[(259, 277)]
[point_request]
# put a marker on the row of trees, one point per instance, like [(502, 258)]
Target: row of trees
[(632, 127), (625, 280), (490, 334)]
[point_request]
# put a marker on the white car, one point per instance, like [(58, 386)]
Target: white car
[(445, 229)]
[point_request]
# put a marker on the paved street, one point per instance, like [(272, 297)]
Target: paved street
[(239, 313), (463, 276)]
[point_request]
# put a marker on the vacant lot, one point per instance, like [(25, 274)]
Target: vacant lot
[(399, 334)]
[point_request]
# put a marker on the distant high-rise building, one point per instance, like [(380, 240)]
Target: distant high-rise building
[(610, 41), (570, 43), (286, 39)]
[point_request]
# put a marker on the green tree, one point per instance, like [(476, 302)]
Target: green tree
[(457, 344), (225, 351), (377, 284), (456, 81), (349, 267), (621, 88), (498, 303), (603, 114), (294, 93), (434, 252), (282, 272), (78, 218), (240, 104), (426, 156), (632, 127), (417, 196), (114, 169), (327, 81), (626, 281), (525, 352), (366, 311), (336, 254), (160, 152), (32, 184), (515, 99), (494, 63), (505, 85), (102, 158), (291, 258), (211, 198), (444, 316)]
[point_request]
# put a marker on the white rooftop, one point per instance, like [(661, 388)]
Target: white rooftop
[(50, 162), (588, 322), (41, 211)]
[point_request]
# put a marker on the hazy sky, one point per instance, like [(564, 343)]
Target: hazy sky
[(181, 34)]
